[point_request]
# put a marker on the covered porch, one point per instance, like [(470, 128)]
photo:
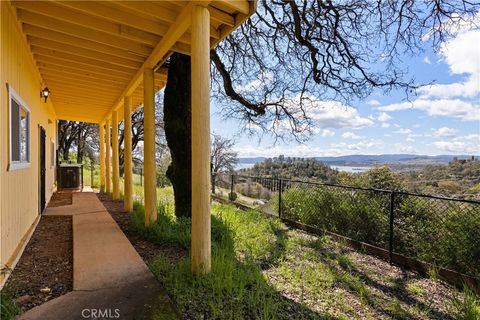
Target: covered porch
[(102, 60)]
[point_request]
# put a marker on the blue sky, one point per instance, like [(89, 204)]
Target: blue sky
[(442, 119)]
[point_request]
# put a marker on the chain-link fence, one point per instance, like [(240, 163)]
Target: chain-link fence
[(441, 231)]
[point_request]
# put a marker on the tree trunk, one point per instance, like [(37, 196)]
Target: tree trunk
[(80, 147), (177, 119)]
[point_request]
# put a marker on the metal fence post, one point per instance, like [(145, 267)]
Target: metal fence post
[(390, 240), (280, 187), (91, 174)]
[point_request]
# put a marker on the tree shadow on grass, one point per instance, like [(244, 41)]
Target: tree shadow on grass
[(236, 288), (352, 278)]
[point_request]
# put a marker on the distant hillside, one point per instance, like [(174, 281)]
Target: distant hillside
[(369, 160), (290, 168)]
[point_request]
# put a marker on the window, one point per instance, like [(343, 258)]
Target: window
[(19, 132)]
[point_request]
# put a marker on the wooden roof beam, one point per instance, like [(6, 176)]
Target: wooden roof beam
[(76, 64), (46, 34), (88, 61), (159, 53), (59, 65), (70, 72), (86, 53), (83, 32), (54, 11), (241, 6), (157, 12), (221, 16), (108, 12)]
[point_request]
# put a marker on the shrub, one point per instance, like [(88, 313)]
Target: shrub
[(232, 196), (348, 213)]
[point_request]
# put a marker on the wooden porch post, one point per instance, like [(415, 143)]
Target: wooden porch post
[(107, 156), (115, 160), (200, 55), (150, 183), (127, 154), (102, 156)]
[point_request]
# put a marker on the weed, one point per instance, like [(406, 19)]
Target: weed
[(414, 288), (467, 308), (396, 311), (8, 307), (432, 272)]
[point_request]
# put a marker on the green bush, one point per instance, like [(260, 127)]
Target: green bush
[(350, 213), (232, 196), (441, 232)]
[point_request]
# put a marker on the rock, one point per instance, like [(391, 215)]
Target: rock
[(23, 299), (45, 290)]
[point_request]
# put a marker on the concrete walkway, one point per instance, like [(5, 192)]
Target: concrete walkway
[(110, 279)]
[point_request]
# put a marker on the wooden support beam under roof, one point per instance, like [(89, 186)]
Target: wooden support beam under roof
[(160, 52), (53, 66), (71, 16), (68, 73), (46, 34), (101, 47), (232, 6), (82, 55), (59, 82), (105, 10), (83, 32), (149, 9), (88, 53), (79, 64)]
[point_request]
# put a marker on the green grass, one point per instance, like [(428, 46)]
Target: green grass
[(8, 307), (236, 287), (414, 288), (263, 270), (468, 307)]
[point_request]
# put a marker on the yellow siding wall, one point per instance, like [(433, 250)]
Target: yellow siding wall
[(19, 189)]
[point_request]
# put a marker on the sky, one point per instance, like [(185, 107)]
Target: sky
[(443, 118)]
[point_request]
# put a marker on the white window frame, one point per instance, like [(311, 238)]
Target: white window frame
[(53, 155), (16, 165)]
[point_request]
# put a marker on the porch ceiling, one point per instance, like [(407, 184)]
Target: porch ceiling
[(91, 54)]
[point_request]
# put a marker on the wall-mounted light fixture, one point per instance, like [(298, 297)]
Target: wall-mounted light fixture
[(45, 93)]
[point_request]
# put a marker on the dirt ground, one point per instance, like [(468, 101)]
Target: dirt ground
[(145, 248), (45, 270), (61, 198)]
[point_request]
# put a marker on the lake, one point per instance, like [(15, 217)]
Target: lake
[(351, 169)]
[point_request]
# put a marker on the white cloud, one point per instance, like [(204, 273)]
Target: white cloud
[(384, 117), (351, 135), (254, 85), (324, 115), (327, 133), (427, 60), (385, 125), (364, 146), (469, 144), (368, 146), (374, 102), (469, 88), (444, 132), (403, 131), (454, 108), (461, 54)]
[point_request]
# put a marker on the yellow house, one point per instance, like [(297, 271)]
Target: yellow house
[(100, 60)]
